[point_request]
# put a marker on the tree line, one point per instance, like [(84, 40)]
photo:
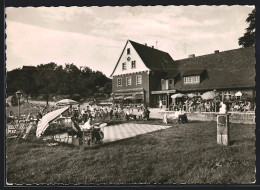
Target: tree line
[(48, 80), (248, 39)]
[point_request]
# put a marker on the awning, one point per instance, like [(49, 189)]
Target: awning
[(163, 92), (49, 117), (139, 96)]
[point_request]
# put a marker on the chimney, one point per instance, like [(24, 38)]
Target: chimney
[(145, 44), (216, 51), (152, 46), (191, 55)]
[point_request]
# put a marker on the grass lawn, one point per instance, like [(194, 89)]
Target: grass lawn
[(185, 153)]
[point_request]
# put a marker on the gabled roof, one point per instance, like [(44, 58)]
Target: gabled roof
[(154, 59), (227, 69)]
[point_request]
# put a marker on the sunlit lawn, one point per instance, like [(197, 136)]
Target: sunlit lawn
[(185, 153)]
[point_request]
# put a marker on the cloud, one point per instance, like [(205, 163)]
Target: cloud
[(95, 36), (34, 45)]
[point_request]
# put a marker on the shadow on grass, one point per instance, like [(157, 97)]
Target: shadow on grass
[(240, 141)]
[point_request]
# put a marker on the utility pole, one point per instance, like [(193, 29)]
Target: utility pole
[(156, 45)]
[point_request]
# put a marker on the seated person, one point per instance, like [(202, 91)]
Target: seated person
[(247, 107), (177, 114), (11, 115), (146, 114)]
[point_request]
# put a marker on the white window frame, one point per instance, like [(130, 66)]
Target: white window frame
[(192, 79), (124, 64), (121, 82), (130, 79), (132, 64), (141, 79)]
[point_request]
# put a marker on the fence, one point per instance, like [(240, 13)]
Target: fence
[(235, 117)]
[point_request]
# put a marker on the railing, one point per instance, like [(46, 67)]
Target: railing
[(235, 117)]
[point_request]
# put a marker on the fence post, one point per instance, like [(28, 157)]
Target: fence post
[(223, 129)]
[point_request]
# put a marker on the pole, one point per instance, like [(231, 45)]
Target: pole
[(215, 105), (18, 109), (168, 101), (83, 138)]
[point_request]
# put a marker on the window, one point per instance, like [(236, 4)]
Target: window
[(162, 81), (128, 51), (133, 65), (192, 80), (170, 81), (138, 79), (128, 81), (119, 82), (123, 66)]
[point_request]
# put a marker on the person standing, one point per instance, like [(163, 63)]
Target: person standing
[(160, 104)]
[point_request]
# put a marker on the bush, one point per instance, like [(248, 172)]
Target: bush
[(14, 101), (76, 97)]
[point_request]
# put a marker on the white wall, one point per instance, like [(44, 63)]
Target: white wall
[(140, 66)]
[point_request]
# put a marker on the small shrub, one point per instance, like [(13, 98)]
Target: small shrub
[(76, 97), (14, 101)]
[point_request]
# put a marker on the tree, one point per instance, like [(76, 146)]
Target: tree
[(27, 82), (45, 79), (248, 39)]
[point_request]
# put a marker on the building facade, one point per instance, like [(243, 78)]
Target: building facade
[(147, 75)]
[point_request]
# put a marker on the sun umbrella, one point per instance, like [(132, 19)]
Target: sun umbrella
[(179, 95), (208, 95), (47, 119), (66, 102), (238, 93), (191, 95), (119, 97), (129, 97)]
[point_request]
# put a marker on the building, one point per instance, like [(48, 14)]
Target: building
[(146, 75)]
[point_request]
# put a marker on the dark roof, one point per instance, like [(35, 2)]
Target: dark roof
[(228, 69), (192, 72), (154, 59), (171, 75)]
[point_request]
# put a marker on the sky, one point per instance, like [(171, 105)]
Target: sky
[(95, 36)]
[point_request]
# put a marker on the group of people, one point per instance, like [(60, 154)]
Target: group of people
[(102, 114)]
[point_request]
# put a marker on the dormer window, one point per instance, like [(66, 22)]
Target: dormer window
[(192, 79), (128, 51), (123, 66), (133, 65)]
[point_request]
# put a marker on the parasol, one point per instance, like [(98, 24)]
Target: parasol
[(119, 97), (191, 95), (179, 95), (129, 97), (208, 95), (66, 102), (239, 93), (47, 119)]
